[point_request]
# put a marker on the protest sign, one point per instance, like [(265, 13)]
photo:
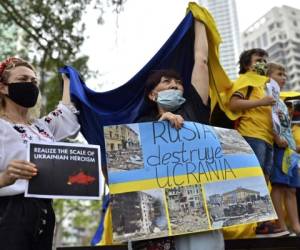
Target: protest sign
[(65, 170), (166, 182)]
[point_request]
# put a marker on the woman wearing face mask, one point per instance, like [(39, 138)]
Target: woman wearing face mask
[(169, 100), (166, 97), (26, 223)]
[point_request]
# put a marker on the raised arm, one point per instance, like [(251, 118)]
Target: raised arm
[(66, 98), (62, 122), (200, 79)]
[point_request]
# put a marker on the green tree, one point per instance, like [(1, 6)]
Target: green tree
[(50, 33), (8, 43), (76, 219)]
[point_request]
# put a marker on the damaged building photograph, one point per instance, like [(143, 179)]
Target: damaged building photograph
[(242, 201), (186, 209), (139, 215), (232, 142), (123, 147)]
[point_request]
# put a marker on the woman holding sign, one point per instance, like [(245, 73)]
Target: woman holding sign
[(26, 223), (168, 100)]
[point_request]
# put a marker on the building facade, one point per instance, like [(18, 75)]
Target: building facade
[(225, 15), (187, 199), (132, 212), (147, 211), (120, 137), (239, 195), (216, 199), (278, 32)]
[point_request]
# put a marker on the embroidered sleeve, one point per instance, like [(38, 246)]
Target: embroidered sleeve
[(1, 149), (62, 122)]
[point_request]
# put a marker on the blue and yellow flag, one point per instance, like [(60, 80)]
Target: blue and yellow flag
[(114, 107), (290, 162), (103, 235)]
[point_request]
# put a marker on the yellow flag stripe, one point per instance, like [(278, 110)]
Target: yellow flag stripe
[(185, 180)]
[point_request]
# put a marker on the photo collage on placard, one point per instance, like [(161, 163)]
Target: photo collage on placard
[(123, 147), (181, 210), (139, 215), (162, 212), (241, 201)]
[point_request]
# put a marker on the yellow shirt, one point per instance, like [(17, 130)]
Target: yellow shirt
[(296, 134), (256, 122)]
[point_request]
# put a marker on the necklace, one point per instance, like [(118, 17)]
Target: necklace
[(9, 119)]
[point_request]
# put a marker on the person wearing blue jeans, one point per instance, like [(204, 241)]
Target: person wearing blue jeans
[(249, 99), (263, 152)]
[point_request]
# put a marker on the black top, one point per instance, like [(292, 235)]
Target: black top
[(192, 110)]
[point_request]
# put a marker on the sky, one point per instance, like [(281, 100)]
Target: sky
[(120, 47), (253, 183)]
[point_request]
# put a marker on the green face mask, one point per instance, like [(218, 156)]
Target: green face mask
[(260, 68)]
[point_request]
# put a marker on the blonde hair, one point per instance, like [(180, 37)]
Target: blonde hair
[(6, 67), (274, 66), (9, 64)]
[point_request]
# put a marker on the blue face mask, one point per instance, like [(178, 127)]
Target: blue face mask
[(170, 100)]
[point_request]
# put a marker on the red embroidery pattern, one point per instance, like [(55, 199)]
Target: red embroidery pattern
[(42, 132), (22, 131), (55, 113)]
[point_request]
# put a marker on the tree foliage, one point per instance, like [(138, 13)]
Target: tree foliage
[(50, 34), (76, 219)]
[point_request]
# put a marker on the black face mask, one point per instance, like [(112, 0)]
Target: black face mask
[(23, 93)]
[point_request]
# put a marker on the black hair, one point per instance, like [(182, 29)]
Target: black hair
[(154, 79), (155, 76), (245, 58)]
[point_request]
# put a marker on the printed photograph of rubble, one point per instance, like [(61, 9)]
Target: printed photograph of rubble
[(123, 147), (139, 215), (232, 142), (186, 209), (241, 201)]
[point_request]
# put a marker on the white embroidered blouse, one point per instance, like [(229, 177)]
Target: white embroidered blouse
[(14, 138)]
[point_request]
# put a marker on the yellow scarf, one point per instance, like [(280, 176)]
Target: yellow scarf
[(248, 79)]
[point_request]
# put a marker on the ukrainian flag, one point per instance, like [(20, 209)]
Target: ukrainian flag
[(113, 107), (103, 235)]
